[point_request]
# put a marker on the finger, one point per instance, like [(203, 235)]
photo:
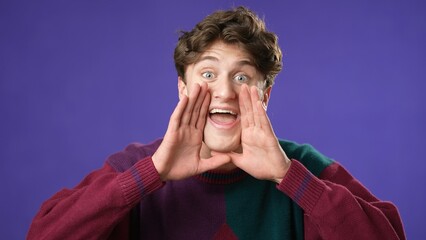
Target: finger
[(254, 94), (195, 115), (207, 164), (260, 117), (264, 119), (175, 118), (186, 117), (203, 112), (241, 100), (245, 107), (236, 159)]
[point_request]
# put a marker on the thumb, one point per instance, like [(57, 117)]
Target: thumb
[(215, 153), (236, 158), (217, 160)]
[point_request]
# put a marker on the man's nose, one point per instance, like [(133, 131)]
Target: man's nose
[(223, 88)]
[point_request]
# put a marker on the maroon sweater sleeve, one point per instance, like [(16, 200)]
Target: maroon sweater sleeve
[(337, 206), (97, 205)]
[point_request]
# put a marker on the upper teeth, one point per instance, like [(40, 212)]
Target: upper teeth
[(222, 111)]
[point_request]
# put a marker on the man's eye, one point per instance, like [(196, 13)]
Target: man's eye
[(208, 75), (241, 78)]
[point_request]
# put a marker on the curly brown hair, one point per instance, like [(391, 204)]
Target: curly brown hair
[(237, 26)]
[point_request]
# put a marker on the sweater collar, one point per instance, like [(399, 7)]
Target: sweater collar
[(222, 177)]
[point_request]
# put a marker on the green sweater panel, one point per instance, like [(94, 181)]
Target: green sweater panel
[(258, 210)]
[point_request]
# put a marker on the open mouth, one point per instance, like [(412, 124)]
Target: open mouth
[(222, 116)]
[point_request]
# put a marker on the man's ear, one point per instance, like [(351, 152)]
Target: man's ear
[(182, 88), (266, 96)]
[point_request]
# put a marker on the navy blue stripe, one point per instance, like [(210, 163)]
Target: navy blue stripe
[(138, 179), (301, 190)]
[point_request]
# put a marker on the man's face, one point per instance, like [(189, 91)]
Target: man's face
[(224, 67)]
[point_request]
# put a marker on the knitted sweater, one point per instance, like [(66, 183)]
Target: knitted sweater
[(125, 199)]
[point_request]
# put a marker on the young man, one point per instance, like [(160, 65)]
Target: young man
[(220, 172)]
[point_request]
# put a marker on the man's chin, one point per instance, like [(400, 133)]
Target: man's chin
[(223, 148)]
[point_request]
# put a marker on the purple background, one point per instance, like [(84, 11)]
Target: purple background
[(80, 80)]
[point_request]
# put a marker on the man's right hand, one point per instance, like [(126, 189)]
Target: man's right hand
[(178, 156)]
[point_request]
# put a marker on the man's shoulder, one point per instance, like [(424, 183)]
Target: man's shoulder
[(312, 159), (123, 160)]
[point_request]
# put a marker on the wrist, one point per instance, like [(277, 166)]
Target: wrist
[(158, 166), (278, 180)]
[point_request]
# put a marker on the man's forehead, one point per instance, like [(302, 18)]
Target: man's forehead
[(219, 50), (211, 58)]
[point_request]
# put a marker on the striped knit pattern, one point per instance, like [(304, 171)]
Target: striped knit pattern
[(219, 177), (142, 176), (296, 189)]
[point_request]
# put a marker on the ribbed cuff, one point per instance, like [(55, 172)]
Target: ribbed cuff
[(139, 180), (302, 186)]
